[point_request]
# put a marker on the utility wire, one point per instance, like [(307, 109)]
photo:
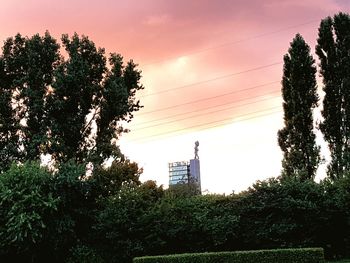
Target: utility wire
[(217, 78), (208, 98), (198, 115), (213, 79), (203, 109), (213, 122)]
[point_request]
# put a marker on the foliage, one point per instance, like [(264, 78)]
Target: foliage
[(205, 222), (281, 214), (183, 190), (303, 255), (142, 219), (109, 180), (83, 254), (299, 90), (27, 205), (70, 107), (336, 217), (82, 199), (340, 261), (50, 216), (75, 215), (333, 45), (93, 213), (123, 227), (277, 213)]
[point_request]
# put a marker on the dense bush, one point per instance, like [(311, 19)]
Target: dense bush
[(303, 255), (284, 213), (124, 224), (50, 216), (83, 254), (27, 204), (66, 215)]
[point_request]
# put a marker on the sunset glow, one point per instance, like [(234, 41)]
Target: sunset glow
[(211, 71)]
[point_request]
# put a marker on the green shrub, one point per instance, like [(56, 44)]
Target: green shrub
[(301, 255), (27, 205), (84, 254)]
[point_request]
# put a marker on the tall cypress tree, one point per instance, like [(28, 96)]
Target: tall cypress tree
[(299, 92), (333, 49)]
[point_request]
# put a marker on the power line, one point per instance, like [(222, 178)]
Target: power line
[(208, 98), (213, 79), (203, 109), (174, 106), (198, 115), (213, 122), (230, 43), (209, 127)]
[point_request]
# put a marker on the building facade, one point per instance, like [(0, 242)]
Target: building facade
[(185, 172), (179, 173)]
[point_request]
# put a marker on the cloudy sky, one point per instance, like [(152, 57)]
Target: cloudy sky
[(211, 71)]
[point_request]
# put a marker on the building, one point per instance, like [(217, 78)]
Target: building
[(186, 172), (179, 173)]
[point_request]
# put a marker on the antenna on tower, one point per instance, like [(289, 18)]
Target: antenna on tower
[(196, 144)]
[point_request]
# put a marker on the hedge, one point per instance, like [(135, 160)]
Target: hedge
[(300, 255)]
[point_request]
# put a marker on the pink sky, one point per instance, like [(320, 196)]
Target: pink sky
[(210, 63)]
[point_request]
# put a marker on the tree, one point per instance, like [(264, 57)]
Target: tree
[(297, 139), (282, 213), (336, 217), (124, 227), (71, 107), (28, 204), (187, 189), (107, 181), (333, 47), (71, 225)]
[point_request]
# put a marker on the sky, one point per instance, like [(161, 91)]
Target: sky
[(211, 71)]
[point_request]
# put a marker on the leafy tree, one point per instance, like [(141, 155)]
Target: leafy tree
[(27, 206), (72, 223), (26, 67), (108, 181), (84, 254), (208, 223), (177, 224), (71, 107), (283, 213), (220, 222), (336, 217), (333, 47), (299, 91), (124, 224), (50, 216), (183, 190)]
